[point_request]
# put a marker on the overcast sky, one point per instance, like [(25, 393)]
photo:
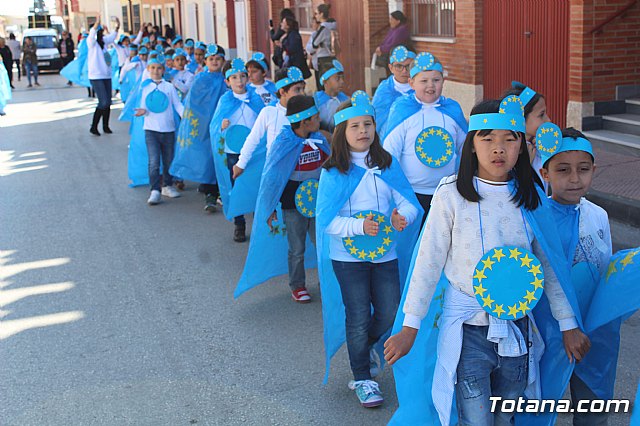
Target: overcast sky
[(20, 7)]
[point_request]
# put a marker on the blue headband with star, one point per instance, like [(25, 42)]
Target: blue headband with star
[(425, 61), (260, 59), (189, 43), (176, 39), (549, 142), (527, 93), (143, 51), (145, 40), (509, 117), (155, 60), (401, 54), (237, 65), (213, 49), (335, 69), (294, 75), (201, 45), (179, 52), (299, 116), (360, 105), (159, 48)]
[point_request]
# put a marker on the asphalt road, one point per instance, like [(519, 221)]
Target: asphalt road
[(114, 312)]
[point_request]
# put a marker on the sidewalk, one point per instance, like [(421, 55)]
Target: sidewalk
[(616, 186)]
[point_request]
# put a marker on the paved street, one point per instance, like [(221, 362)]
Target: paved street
[(114, 312)]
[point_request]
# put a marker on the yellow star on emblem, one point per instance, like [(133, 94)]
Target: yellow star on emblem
[(445, 137), (478, 289), (304, 210), (498, 254), (449, 144), (438, 162), (419, 149), (360, 216), (488, 263), (627, 259), (449, 152), (501, 110), (194, 122), (530, 296), (443, 158), (302, 188), (479, 275), (487, 301), (499, 310), (504, 103), (380, 218), (537, 283), (423, 155), (372, 255), (381, 250), (429, 160), (362, 254), (432, 131), (611, 269), (523, 307), (300, 204), (299, 196), (386, 241), (513, 311), (514, 253), (353, 250), (555, 134), (315, 185), (535, 270), (308, 192), (439, 132), (526, 260), (485, 121), (348, 241), (420, 140), (310, 198), (387, 229), (194, 133)]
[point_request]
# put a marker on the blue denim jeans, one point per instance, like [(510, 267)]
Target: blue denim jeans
[(580, 391), (298, 227), (30, 67), (366, 284), (159, 145), (102, 87), (483, 373), (232, 159)]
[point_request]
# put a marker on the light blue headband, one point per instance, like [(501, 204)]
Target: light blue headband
[(237, 65), (360, 105), (299, 116), (159, 48), (179, 52), (145, 40), (294, 75), (176, 39), (211, 50), (401, 54), (155, 60), (425, 61), (549, 142), (143, 51), (337, 68), (189, 43), (527, 93), (509, 117), (259, 58), (133, 48)]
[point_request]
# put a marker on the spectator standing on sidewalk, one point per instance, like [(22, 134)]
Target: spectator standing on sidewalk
[(399, 34), (65, 47), (321, 48), (291, 42), (16, 50), (7, 59), (30, 60)]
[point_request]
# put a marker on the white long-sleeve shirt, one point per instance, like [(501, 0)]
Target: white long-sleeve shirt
[(270, 121), (401, 143), (244, 116), (372, 193), (123, 53), (452, 243), (183, 80), (97, 65), (163, 121)]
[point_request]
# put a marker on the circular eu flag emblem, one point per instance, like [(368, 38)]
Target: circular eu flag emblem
[(306, 196), (367, 248), (235, 136), (157, 101), (434, 147), (508, 282)]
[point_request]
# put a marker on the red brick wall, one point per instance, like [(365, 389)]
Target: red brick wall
[(376, 25), (463, 58), (602, 61)]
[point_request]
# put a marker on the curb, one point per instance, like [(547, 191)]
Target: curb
[(625, 210)]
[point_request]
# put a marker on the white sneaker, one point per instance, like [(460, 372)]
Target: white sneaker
[(368, 393), (154, 198), (170, 191)]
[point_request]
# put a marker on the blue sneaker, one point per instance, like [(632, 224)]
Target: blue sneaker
[(367, 392)]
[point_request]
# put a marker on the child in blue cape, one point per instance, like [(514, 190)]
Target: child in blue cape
[(289, 180), (197, 64), (182, 79), (194, 160), (489, 215), (329, 99), (363, 200), (400, 63), (189, 46), (158, 103), (586, 241), (235, 115), (257, 68), (535, 114), (425, 130)]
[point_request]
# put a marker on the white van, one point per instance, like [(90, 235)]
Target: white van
[(47, 41)]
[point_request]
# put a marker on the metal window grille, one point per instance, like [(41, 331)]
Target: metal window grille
[(303, 9), (433, 18), (136, 17), (125, 19)]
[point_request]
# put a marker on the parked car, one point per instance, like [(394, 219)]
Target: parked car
[(47, 41)]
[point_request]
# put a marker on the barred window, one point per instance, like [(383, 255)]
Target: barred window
[(303, 9), (433, 18), (125, 19)]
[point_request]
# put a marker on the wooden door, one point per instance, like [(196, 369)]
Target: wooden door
[(350, 19)]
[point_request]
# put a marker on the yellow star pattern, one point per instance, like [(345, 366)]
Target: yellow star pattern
[(381, 250), (530, 296), (386, 241), (387, 229), (488, 263), (487, 301), (628, 259), (498, 254), (194, 133), (513, 310), (535, 270), (514, 253), (498, 310), (362, 254), (380, 218), (611, 269), (526, 260), (194, 122), (478, 289), (348, 241), (372, 255), (353, 250), (537, 283), (524, 307), (479, 275), (310, 198)]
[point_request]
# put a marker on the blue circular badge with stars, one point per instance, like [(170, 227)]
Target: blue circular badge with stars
[(434, 147), (508, 282), (157, 101), (306, 196), (367, 248), (235, 136)]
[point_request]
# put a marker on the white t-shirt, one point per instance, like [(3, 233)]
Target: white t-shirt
[(270, 121), (163, 121), (97, 63), (244, 116)]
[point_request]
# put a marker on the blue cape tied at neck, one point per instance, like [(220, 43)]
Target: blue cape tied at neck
[(322, 98), (115, 70), (77, 71), (414, 372), (240, 198), (267, 255), (385, 96), (128, 84), (407, 105), (334, 191), (193, 158), (5, 88)]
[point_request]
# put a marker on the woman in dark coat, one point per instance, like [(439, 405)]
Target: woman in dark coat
[(292, 45)]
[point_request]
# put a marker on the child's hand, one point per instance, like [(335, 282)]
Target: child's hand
[(398, 221), (225, 123), (576, 344), (140, 112), (237, 171), (370, 226), (274, 216), (399, 344)]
